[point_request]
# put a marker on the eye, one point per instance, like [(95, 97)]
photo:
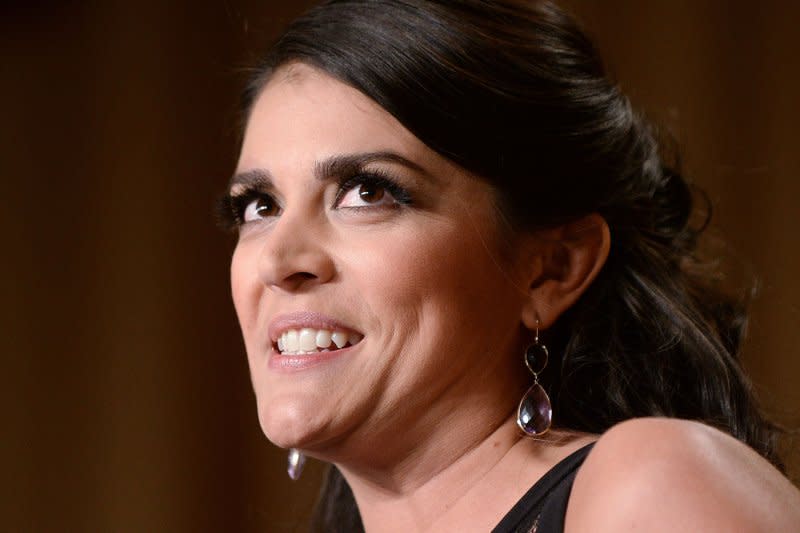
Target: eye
[(366, 191), (260, 207), (366, 194)]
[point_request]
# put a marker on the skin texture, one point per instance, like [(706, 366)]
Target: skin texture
[(404, 277), (668, 475), (419, 415)]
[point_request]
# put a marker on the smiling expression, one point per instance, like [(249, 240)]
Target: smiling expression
[(366, 278)]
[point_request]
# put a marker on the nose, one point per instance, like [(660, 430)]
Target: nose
[(294, 257)]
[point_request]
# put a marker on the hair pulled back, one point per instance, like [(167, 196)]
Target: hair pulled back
[(514, 91)]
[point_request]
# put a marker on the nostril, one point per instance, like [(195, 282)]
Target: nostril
[(298, 279)]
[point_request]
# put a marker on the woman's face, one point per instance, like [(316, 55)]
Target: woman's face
[(355, 234)]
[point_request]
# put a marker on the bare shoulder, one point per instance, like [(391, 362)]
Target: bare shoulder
[(660, 474)]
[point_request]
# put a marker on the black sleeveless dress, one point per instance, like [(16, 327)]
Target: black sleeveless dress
[(542, 509)]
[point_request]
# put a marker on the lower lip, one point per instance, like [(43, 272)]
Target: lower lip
[(296, 363)]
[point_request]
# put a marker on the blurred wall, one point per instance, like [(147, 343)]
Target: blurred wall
[(126, 401)]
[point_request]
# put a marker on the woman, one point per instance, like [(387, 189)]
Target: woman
[(431, 198)]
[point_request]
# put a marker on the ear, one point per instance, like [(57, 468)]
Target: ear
[(564, 262)]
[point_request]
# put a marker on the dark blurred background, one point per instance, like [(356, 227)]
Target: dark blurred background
[(125, 397)]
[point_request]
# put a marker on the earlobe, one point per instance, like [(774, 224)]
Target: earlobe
[(570, 258)]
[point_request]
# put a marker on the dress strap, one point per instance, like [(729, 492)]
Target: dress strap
[(543, 507)]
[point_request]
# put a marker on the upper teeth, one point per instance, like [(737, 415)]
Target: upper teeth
[(308, 340)]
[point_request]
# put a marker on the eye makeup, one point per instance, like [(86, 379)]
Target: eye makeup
[(243, 189), (375, 179), (257, 186)]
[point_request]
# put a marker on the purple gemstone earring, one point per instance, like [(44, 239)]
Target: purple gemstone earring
[(535, 413), (296, 463)]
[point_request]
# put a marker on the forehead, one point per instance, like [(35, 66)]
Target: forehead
[(302, 110), (303, 116)]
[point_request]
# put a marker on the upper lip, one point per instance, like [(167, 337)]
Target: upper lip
[(305, 319)]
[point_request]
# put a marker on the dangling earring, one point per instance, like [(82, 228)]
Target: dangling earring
[(535, 413), (296, 463)]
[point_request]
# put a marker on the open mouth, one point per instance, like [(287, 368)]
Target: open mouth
[(307, 341)]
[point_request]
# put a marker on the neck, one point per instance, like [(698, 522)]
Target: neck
[(446, 487)]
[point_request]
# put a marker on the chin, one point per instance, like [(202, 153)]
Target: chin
[(288, 424)]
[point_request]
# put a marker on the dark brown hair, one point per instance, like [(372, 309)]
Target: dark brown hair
[(515, 92)]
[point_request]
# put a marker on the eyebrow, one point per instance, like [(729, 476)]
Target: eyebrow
[(343, 165), (331, 168), (257, 178)]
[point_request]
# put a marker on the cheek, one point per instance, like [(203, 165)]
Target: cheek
[(435, 274), (244, 285), (445, 310)]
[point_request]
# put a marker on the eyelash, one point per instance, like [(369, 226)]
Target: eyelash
[(230, 208), (376, 179)]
